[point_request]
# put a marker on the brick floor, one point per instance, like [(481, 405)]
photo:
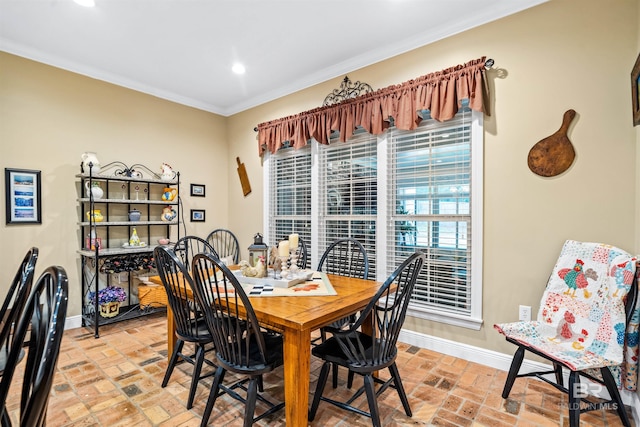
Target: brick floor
[(115, 381)]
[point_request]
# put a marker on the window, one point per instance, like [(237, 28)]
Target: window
[(289, 195), (396, 193)]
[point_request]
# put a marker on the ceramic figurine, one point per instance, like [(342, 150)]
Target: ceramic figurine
[(134, 240), (167, 174), (169, 214), (95, 215), (95, 190), (90, 157), (169, 193)]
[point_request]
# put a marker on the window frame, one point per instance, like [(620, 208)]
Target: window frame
[(474, 319)]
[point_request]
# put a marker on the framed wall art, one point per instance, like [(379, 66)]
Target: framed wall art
[(197, 190), (635, 98), (23, 196), (197, 215)]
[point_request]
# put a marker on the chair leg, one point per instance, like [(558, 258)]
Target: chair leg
[(395, 374), (612, 388), (213, 395), (574, 399), (335, 375), (250, 407), (322, 381), (172, 362), (558, 370), (195, 376), (369, 388), (350, 379), (513, 371)]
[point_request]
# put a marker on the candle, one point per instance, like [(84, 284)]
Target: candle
[(293, 241), (283, 248)]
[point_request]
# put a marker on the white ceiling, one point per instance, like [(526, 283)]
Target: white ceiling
[(183, 50)]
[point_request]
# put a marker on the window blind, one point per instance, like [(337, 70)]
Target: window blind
[(290, 195), (348, 193), (429, 205)]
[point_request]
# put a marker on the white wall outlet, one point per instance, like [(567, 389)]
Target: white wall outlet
[(524, 313)]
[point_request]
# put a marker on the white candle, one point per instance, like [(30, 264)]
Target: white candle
[(293, 241), (283, 248)]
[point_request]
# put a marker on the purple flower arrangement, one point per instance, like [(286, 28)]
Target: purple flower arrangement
[(109, 294)]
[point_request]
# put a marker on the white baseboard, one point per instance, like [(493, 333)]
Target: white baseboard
[(495, 360), (73, 322)]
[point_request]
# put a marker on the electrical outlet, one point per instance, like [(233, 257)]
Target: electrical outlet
[(524, 313)]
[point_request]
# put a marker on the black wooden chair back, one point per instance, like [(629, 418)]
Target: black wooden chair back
[(187, 247), (241, 346), (225, 243), (44, 316), (345, 257), (15, 300)]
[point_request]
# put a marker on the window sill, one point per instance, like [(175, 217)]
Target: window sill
[(447, 318)]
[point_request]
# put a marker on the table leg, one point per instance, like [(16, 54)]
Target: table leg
[(171, 332), (297, 361)]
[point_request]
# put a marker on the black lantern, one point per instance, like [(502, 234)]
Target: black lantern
[(258, 249)]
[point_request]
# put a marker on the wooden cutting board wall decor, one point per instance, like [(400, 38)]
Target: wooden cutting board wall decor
[(244, 178), (554, 154)]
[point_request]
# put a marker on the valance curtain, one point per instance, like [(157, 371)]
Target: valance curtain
[(441, 93)]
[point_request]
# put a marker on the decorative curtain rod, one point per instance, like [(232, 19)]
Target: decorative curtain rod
[(440, 92)]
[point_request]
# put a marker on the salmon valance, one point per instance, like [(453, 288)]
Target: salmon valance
[(441, 93)]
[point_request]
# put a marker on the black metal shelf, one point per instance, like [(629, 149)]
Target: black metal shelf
[(100, 266), (127, 312)]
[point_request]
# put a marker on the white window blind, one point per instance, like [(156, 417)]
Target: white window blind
[(290, 195), (429, 204), (348, 193)]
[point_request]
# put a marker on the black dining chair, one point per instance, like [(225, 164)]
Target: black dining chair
[(188, 247), (44, 316), (225, 243), (190, 324), (365, 354), (14, 302), (343, 257), (241, 346)]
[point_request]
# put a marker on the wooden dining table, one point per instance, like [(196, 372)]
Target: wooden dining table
[(296, 317)]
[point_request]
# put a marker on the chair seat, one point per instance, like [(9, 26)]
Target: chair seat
[(568, 346), (253, 364), (331, 351), (202, 334)]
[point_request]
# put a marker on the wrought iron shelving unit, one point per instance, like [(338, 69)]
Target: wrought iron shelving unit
[(124, 188)]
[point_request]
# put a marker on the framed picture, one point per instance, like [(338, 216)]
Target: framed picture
[(23, 199), (197, 190), (197, 215), (635, 98)]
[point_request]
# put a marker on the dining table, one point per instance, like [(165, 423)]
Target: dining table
[(296, 317)]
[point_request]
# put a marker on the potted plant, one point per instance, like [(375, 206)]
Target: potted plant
[(109, 299)]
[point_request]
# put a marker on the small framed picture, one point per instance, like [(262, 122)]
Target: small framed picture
[(197, 190), (22, 192), (197, 215), (635, 92)]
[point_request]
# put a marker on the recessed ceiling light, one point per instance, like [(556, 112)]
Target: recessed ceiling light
[(85, 3), (238, 68)]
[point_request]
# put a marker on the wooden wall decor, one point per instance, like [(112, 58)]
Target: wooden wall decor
[(554, 154), (244, 178)]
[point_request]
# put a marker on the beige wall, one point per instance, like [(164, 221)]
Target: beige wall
[(560, 55), (49, 117)]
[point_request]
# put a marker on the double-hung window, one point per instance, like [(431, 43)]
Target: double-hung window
[(396, 193)]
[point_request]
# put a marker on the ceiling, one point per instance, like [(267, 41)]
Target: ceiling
[(183, 50)]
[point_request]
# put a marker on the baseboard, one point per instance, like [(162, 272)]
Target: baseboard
[(494, 360), (73, 322)]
